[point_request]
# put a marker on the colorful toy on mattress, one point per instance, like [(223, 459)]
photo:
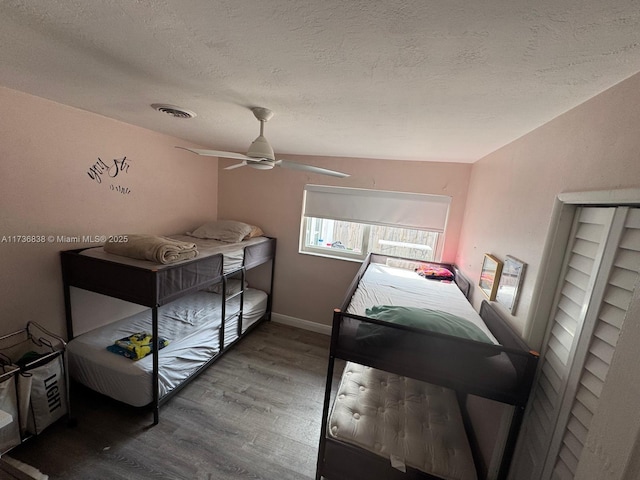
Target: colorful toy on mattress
[(434, 271), (136, 346)]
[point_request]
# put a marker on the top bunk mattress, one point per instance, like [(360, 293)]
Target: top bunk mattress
[(152, 284), (233, 253), (408, 348), (385, 285)]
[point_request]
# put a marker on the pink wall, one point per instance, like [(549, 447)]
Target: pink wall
[(592, 147), (512, 191), (46, 150), (308, 287)]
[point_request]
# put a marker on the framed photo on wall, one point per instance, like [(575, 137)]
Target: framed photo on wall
[(510, 281), (489, 276)]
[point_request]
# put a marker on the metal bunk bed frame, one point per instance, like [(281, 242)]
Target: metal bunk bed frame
[(145, 287), (339, 461)]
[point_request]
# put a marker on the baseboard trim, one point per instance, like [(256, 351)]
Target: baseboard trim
[(300, 323)]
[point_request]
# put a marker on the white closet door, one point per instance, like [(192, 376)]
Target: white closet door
[(581, 265), (599, 347), (599, 280)]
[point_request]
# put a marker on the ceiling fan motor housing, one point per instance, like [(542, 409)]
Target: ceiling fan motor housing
[(260, 148)]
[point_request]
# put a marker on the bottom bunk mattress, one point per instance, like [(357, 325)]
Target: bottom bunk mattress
[(190, 324), (409, 422)]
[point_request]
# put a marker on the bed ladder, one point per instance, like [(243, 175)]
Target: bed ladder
[(227, 297)]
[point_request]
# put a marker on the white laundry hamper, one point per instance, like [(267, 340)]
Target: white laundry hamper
[(9, 418), (42, 379)]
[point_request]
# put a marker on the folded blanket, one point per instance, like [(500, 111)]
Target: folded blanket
[(136, 346), (153, 248)]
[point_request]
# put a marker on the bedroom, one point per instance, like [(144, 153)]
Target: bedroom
[(47, 149)]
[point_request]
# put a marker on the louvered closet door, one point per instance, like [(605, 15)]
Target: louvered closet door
[(581, 264), (597, 350), (600, 271)]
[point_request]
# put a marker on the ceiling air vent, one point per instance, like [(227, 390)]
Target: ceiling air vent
[(173, 110)]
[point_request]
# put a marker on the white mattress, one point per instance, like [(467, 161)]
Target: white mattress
[(233, 253), (191, 324), (410, 422), (384, 285)]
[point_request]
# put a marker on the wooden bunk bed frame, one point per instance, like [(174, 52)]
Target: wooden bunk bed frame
[(156, 287), (466, 371)]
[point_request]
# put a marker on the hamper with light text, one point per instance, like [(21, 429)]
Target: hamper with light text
[(42, 379)]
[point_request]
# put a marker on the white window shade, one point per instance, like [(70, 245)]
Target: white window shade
[(377, 207)]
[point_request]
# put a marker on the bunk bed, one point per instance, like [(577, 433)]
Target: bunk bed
[(399, 411), (191, 304)]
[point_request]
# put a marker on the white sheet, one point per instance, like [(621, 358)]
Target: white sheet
[(233, 253), (384, 285), (407, 421), (191, 324)]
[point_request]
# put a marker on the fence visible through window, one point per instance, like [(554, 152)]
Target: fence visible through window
[(403, 242)]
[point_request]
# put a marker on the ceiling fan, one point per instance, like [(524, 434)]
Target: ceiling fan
[(260, 154)]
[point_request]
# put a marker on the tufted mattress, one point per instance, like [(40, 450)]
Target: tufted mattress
[(409, 422)]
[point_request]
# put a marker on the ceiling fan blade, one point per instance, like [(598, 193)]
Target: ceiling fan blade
[(217, 153), (310, 168), (237, 165)]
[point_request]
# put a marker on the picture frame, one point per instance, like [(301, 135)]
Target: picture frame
[(510, 282), (489, 276)]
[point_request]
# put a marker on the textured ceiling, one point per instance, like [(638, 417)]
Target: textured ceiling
[(396, 79)]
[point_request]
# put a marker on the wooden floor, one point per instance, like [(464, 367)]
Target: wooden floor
[(254, 414)]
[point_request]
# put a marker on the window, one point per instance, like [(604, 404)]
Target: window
[(349, 223), (334, 238)]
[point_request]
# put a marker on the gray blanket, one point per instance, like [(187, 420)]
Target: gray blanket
[(153, 248)]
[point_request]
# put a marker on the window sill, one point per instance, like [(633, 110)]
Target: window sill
[(328, 255)]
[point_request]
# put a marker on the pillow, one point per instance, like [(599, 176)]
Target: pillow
[(429, 319), (434, 271), (402, 263), (224, 230), (255, 232), (136, 346), (233, 287)]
